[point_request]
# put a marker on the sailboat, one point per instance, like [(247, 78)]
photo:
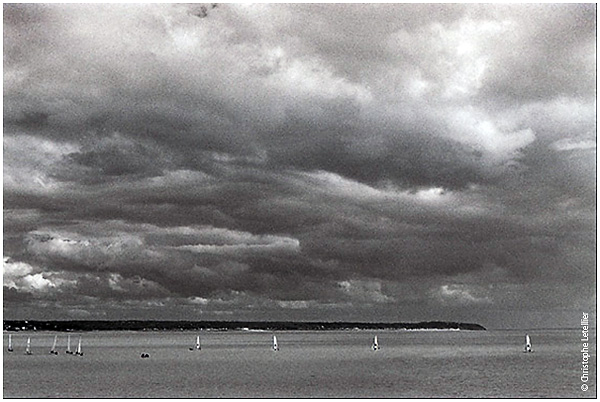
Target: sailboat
[(527, 344), (28, 349), (197, 347), (10, 348), (275, 345), (69, 345), (78, 352), (53, 350), (375, 345)]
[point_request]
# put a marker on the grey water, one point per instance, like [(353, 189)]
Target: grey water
[(242, 364)]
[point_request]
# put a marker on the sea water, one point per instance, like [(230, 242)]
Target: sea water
[(309, 364)]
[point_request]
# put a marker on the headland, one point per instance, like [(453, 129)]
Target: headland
[(144, 325)]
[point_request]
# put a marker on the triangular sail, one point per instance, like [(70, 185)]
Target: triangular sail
[(69, 344), (28, 349), (53, 350), (527, 343), (197, 347), (10, 348), (275, 345), (375, 345), (78, 352)]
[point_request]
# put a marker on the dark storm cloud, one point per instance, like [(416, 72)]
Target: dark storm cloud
[(181, 107), (310, 160)]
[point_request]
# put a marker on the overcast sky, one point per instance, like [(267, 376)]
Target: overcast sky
[(300, 162)]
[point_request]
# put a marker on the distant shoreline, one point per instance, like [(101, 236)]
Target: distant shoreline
[(140, 325)]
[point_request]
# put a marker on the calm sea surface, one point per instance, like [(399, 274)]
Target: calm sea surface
[(309, 364)]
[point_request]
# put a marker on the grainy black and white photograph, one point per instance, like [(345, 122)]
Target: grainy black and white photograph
[(234, 200)]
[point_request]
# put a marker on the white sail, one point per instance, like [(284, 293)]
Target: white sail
[(10, 348), (53, 350), (197, 347), (28, 349), (527, 343), (375, 345), (78, 352), (69, 345), (275, 345)]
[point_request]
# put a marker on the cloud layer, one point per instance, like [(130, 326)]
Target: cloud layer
[(270, 161)]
